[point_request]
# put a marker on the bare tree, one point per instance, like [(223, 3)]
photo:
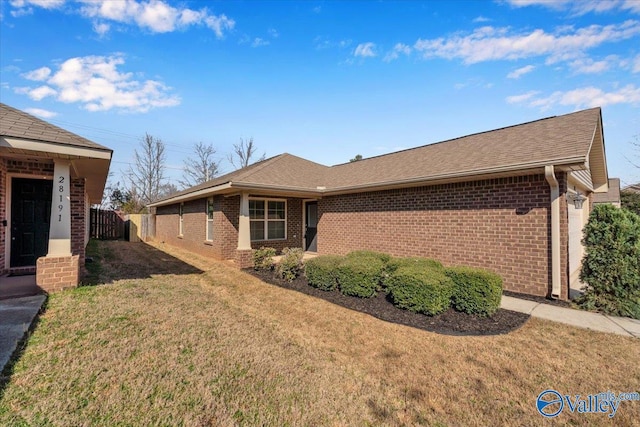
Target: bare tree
[(146, 176), (243, 153), (200, 168)]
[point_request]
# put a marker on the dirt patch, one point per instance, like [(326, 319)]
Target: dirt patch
[(450, 322)]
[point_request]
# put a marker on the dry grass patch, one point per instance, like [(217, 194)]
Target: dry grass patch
[(178, 339)]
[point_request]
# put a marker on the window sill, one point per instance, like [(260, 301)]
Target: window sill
[(270, 240), (208, 242), (180, 236)]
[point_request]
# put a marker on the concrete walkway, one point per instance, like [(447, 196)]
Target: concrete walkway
[(16, 317), (581, 319)]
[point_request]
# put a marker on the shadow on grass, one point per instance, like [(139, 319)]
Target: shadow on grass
[(112, 260), (21, 346)]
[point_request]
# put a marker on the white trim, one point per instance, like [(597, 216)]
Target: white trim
[(554, 186), (61, 149), (181, 220), (8, 181), (208, 220), (266, 220)]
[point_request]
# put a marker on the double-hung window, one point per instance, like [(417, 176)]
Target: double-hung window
[(268, 219), (210, 219), (181, 214)]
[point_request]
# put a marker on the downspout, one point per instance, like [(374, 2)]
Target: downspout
[(555, 230)]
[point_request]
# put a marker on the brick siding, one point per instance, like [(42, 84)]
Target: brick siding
[(3, 212), (57, 273), (225, 219), (501, 224), (39, 170)]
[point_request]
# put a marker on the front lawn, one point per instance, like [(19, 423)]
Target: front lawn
[(177, 339)]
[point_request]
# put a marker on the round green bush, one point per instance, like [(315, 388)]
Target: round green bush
[(476, 291), (263, 258), (321, 272), (385, 258), (421, 290), (360, 276)]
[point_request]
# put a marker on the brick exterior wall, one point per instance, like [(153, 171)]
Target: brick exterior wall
[(56, 274), (3, 213), (225, 219), (39, 170), (500, 224)]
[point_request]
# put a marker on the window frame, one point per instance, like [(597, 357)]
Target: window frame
[(266, 219), (181, 219), (209, 220)]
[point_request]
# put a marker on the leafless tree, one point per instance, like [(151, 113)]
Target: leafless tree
[(146, 175), (200, 168), (243, 153)]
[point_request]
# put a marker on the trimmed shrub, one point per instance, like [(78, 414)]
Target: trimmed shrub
[(360, 275), (611, 265), (476, 291), (421, 290), (321, 272), (290, 264), (427, 263), (263, 258)]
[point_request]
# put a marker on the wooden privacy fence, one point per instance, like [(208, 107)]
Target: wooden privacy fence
[(140, 227), (105, 224)]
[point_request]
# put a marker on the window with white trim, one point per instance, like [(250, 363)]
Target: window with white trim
[(268, 219), (210, 219), (181, 214)]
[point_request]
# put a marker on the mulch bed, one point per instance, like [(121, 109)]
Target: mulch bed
[(450, 322)]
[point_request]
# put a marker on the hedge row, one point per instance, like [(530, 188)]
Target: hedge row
[(417, 284)]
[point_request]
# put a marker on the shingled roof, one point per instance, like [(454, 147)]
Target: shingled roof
[(561, 141), (18, 124)]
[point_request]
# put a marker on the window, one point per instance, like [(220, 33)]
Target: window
[(210, 219), (180, 213), (268, 219)]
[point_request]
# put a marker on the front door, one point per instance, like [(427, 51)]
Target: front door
[(311, 229), (30, 213)]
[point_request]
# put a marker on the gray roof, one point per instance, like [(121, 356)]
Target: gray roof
[(18, 124), (611, 196), (633, 188), (560, 140)]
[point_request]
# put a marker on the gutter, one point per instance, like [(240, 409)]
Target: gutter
[(555, 230)]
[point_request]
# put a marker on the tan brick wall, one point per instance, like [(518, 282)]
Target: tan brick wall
[(56, 274), (502, 225), (225, 236)]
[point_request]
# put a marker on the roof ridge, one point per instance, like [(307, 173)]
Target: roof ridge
[(259, 166), (465, 136)]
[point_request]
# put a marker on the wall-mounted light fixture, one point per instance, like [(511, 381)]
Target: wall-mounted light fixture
[(576, 198)]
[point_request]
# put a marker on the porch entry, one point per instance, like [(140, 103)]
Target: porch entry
[(30, 214), (311, 226)]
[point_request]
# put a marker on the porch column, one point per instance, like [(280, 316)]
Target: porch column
[(60, 223), (244, 235)]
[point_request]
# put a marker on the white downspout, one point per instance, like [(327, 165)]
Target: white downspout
[(555, 231)]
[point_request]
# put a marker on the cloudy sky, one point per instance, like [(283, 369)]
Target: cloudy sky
[(324, 80)]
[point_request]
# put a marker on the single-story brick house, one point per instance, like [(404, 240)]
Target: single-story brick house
[(512, 200), (49, 178), (611, 197)]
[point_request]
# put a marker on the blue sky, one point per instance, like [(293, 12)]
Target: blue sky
[(324, 80)]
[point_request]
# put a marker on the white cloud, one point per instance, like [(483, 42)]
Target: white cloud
[(489, 43), (589, 66), (399, 48), (365, 50), (258, 42), (636, 65), (38, 75), (97, 84), (517, 99), (516, 74), (46, 114), (585, 97), (46, 4), (101, 28), (581, 7), (273, 33), (481, 19)]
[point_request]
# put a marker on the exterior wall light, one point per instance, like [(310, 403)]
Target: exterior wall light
[(577, 199)]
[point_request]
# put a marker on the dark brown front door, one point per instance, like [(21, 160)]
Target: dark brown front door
[(30, 213)]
